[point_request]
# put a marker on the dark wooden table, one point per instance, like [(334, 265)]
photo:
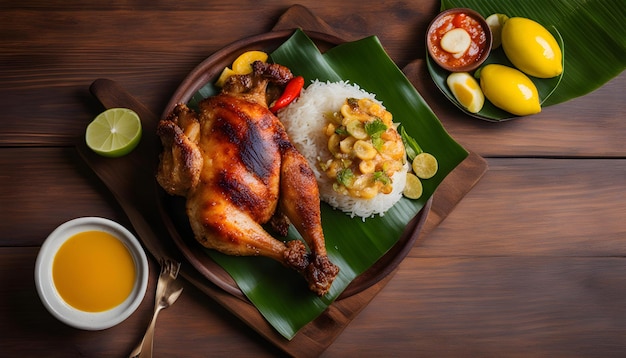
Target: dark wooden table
[(529, 263)]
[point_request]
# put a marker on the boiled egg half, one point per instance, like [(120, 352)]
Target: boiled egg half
[(466, 90)]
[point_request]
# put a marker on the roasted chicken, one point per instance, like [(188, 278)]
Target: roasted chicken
[(238, 170)]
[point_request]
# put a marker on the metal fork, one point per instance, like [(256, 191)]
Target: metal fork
[(167, 292)]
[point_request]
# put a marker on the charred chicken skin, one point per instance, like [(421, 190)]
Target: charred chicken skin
[(238, 170)]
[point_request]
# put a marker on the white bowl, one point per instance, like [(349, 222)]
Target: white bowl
[(70, 315)]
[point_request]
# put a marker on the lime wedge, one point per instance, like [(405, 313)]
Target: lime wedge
[(413, 188), (114, 132), (425, 165)]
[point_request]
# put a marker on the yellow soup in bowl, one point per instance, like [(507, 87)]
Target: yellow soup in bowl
[(93, 271)]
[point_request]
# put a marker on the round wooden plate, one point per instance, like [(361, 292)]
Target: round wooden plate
[(172, 209)]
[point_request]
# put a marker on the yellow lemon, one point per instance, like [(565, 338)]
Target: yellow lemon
[(466, 90), (531, 48), (510, 90), (226, 73), (243, 64)]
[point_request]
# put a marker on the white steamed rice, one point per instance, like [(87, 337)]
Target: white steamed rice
[(304, 121)]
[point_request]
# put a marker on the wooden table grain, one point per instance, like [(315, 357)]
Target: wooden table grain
[(529, 263)]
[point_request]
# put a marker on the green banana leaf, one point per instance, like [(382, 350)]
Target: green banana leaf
[(593, 35), (280, 294)]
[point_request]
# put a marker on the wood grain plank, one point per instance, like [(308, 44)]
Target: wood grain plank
[(545, 207), (40, 188), (495, 307), (399, 24), (54, 68), (454, 306)]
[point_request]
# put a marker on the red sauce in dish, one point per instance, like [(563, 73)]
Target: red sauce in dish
[(452, 21)]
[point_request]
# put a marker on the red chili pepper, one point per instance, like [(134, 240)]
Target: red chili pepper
[(457, 21), (291, 92)]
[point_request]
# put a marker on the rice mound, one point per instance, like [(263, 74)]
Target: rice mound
[(304, 121)]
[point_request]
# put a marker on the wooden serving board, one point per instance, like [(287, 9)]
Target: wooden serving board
[(126, 178)]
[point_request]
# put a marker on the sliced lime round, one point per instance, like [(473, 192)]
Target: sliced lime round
[(425, 165), (114, 132)]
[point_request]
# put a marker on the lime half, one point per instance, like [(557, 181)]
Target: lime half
[(413, 188), (114, 132)]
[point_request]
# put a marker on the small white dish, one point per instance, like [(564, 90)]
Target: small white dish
[(64, 312)]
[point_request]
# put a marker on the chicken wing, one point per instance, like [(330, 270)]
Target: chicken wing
[(236, 166)]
